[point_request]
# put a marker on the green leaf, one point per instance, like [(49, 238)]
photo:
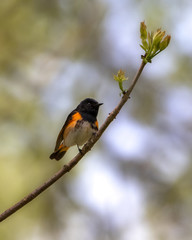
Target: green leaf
[(143, 47), (145, 44), (143, 31)]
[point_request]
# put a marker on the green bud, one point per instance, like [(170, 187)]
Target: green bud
[(165, 42), (143, 31), (152, 43), (158, 36), (120, 77)]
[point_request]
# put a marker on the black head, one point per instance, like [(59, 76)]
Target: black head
[(89, 106)]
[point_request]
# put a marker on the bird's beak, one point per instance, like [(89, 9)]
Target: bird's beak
[(99, 104)]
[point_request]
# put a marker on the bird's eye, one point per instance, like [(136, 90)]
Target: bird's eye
[(89, 104)]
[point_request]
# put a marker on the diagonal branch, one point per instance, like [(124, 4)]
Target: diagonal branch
[(87, 147)]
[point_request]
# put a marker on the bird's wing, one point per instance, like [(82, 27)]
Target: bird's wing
[(61, 133), (70, 123)]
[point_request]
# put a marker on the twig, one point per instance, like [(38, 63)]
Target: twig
[(87, 147)]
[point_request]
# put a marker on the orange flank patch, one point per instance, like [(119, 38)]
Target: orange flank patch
[(97, 125), (62, 148), (77, 116)]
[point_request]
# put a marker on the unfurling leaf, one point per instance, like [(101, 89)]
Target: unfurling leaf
[(120, 77), (143, 31)]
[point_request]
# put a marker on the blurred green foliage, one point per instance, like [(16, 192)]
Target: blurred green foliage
[(31, 27)]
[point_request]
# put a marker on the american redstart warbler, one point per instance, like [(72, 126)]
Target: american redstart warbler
[(79, 126)]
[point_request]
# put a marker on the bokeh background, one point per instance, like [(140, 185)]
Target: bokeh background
[(136, 183)]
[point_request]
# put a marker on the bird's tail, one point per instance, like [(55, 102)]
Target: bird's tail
[(58, 154)]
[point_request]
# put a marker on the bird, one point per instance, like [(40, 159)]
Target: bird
[(78, 128)]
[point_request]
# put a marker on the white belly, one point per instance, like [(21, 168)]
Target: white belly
[(79, 136)]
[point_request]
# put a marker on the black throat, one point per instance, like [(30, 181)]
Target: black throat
[(90, 117)]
